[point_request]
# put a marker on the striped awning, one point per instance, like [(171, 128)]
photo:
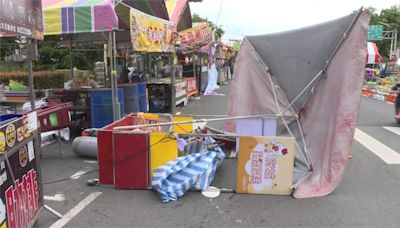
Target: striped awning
[(179, 13), (78, 16), (373, 56)]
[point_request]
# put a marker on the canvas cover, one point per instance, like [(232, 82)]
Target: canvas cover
[(325, 65), (373, 56)]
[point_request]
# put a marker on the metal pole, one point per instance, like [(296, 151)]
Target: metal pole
[(30, 73), (105, 48), (195, 121), (391, 46), (173, 89), (117, 104), (71, 60), (112, 77), (395, 40), (51, 210), (194, 56), (36, 140), (303, 91)]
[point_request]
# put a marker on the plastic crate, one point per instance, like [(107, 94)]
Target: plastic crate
[(54, 117)]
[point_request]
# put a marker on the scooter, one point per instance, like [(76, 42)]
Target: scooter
[(396, 88)]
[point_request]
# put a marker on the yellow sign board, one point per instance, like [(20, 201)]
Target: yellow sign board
[(265, 165), (151, 34)]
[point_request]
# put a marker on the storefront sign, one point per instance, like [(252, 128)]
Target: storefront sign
[(180, 92), (151, 34), (20, 200), (265, 165), (196, 37), (21, 17), (191, 87)]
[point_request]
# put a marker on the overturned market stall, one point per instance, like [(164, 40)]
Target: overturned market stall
[(316, 73)]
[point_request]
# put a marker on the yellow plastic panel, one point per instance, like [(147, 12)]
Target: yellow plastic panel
[(182, 128), (161, 152)]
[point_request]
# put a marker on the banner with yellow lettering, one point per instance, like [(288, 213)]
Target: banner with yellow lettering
[(265, 165), (151, 34)]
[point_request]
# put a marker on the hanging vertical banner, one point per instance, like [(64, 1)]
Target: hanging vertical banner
[(151, 34), (20, 200), (196, 37), (265, 165), (21, 18)]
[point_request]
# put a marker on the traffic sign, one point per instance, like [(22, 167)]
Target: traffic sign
[(375, 32)]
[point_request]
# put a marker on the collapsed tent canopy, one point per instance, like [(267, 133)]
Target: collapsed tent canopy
[(291, 61), (317, 73)]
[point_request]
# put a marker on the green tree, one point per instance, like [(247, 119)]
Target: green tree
[(390, 19), (52, 55), (7, 46), (219, 32)]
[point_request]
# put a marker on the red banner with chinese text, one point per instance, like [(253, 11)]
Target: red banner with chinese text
[(191, 87), (196, 37)]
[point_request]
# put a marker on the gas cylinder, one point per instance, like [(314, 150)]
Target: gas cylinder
[(85, 146)]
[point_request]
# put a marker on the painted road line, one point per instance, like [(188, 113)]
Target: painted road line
[(395, 130), (74, 211), (387, 154), (59, 197), (90, 161), (78, 174)]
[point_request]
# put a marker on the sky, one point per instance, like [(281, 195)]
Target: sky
[(252, 17)]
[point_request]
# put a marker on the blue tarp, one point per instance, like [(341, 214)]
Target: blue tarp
[(196, 171)]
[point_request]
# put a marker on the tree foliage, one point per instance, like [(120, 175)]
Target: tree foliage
[(390, 19), (7, 46), (219, 32), (53, 56)]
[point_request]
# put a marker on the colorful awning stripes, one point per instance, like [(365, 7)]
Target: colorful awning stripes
[(78, 16), (175, 9), (179, 13)]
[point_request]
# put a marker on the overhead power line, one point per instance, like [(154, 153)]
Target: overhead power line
[(219, 12)]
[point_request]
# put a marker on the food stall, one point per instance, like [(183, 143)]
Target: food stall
[(87, 27), (194, 43), (155, 39), (223, 57)]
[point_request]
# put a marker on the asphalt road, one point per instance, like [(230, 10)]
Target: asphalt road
[(366, 197)]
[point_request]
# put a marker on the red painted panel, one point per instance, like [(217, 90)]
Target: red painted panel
[(105, 148), (191, 86), (131, 160)]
